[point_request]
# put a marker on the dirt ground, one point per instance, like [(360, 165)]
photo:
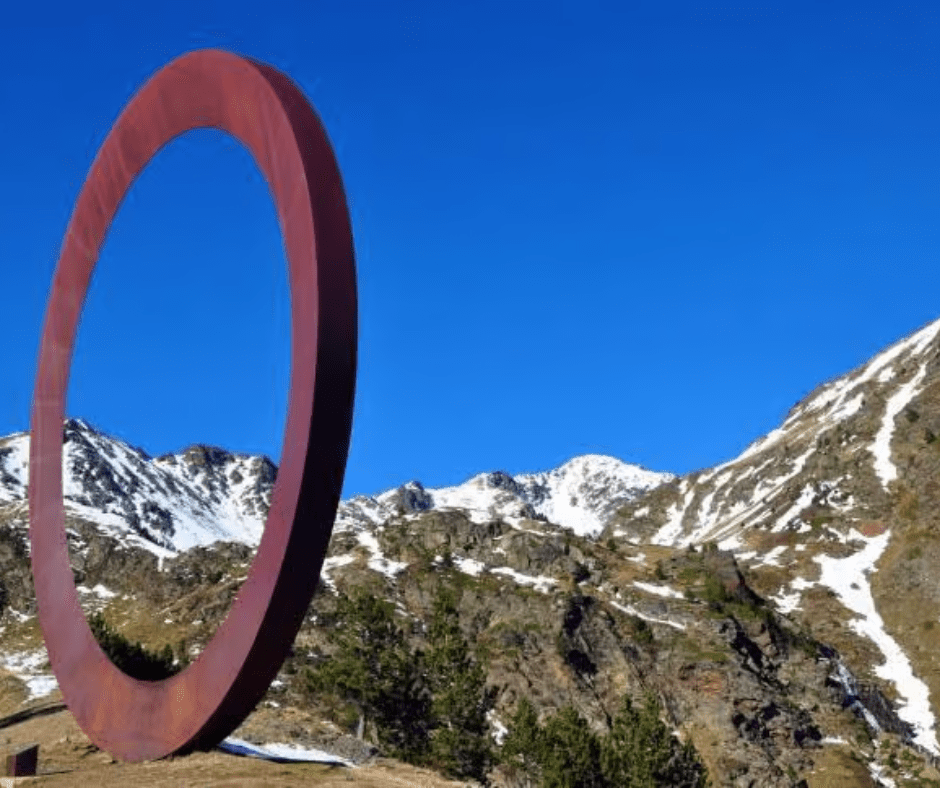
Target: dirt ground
[(67, 758)]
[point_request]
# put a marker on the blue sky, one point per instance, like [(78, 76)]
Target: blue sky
[(641, 229)]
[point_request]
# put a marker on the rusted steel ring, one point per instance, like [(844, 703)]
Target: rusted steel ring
[(139, 720)]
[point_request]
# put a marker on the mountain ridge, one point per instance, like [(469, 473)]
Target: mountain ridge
[(103, 474), (782, 604)]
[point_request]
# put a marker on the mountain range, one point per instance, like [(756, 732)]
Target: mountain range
[(816, 662)]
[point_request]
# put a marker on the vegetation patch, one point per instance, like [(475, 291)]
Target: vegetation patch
[(132, 658), (639, 750), (426, 708)]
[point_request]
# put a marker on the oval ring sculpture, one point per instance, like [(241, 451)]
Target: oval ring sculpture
[(195, 709)]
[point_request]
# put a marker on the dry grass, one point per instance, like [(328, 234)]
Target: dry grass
[(904, 591), (67, 758), (835, 768)]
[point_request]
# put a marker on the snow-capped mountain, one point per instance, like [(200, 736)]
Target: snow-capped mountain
[(784, 604), (203, 495), (834, 513), (579, 495), (165, 504), (837, 450)]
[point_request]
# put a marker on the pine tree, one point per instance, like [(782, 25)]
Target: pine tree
[(522, 747), (570, 753), (374, 670), (132, 658), (641, 752), (460, 741)]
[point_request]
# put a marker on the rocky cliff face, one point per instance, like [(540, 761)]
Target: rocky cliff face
[(165, 504), (780, 605), (834, 516)]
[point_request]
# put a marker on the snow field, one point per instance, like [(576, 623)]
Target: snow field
[(27, 667), (848, 577)]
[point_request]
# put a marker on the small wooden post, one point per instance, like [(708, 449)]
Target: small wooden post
[(20, 760)]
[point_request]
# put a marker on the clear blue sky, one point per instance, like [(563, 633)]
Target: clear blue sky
[(640, 229)]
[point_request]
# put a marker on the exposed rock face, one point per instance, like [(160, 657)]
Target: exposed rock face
[(196, 497), (782, 606), (761, 698), (833, 514), (16, 581), (411, 497)]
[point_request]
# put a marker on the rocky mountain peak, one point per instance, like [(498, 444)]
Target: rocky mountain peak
[(828, 511), (201, 456), (174, 502), (782, 606), (578, 496)]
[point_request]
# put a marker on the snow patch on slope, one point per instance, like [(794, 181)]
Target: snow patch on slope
[(281, 753), (881, 448), (577, 495), (666, 591), (164, 505), (672, 529), (788, 602), (28, 667), (632, 611), (848, 577), (538, 582), (377, 561)]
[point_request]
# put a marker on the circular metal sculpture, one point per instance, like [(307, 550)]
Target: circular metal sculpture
[(195, 709)]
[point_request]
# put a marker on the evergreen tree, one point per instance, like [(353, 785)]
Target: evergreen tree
[(522, 747), (460, 742), (374, 670), (132, 658), (570, 753), (641, 752)]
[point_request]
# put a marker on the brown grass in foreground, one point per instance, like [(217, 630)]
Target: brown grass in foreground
[(67, 758)]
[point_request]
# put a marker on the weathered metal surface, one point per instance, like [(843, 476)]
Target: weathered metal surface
[(138, 720)]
